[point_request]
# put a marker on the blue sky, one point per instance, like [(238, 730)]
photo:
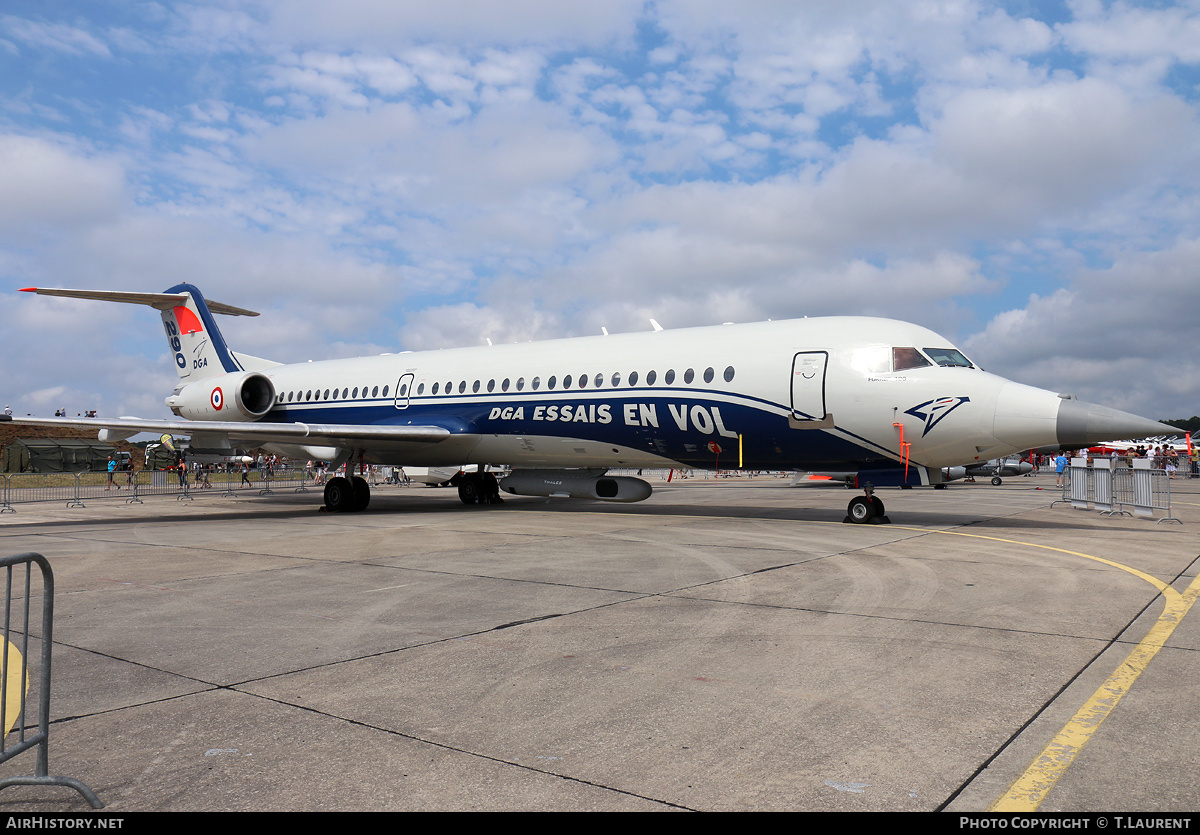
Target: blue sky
[(378, 176)]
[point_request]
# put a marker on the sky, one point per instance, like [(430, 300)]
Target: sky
[(382, 175)]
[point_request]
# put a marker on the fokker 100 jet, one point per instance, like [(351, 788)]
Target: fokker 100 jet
[(889, 401)]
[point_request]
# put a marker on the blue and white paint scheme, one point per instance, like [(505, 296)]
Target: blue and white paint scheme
[(892, 402)]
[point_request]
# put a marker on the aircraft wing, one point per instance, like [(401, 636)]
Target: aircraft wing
[(319, 434)]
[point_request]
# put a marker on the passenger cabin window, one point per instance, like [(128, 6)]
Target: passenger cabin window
[(651, 376), (633, 378), (949, 358)]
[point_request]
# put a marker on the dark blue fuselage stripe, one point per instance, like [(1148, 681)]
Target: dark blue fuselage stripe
[(768, 440)]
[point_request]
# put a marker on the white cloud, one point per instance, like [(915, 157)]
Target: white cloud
[(56, 36), (1121, 336), (49, 184)]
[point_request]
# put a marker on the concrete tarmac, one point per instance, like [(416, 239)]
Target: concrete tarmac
[(727, 645)]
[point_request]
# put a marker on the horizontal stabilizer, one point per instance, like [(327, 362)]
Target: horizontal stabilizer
[(159, 301)]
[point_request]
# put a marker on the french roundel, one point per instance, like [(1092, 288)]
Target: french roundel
[(217, 399)]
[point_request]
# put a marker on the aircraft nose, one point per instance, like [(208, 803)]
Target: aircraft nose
[(1083, 424)]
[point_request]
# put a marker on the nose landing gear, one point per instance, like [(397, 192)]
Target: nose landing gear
[(866, 509)]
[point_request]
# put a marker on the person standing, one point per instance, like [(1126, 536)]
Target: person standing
[(1060, 467)]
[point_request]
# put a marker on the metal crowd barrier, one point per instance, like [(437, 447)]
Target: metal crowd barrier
[(74, 488), (15, 663), (1116, 487)]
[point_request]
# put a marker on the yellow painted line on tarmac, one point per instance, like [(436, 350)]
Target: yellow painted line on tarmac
[(1029, 790)]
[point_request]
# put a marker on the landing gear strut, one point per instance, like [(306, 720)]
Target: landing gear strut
[(866, 509)]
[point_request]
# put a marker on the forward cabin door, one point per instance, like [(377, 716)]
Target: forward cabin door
[(808, 391)]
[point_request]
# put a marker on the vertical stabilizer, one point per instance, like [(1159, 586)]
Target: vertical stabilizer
[(197, 348), (196, 344)]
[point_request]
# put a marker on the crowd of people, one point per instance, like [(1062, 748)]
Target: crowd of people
[(1162, 457)]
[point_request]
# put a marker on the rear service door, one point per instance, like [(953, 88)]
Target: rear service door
[(404, 391)]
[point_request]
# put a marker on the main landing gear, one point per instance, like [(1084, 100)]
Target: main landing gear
[(866, 509), (350, 495), (347, 495), (478, 488)]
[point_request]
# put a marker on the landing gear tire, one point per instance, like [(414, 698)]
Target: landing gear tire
[(880, 516), (866, 510), (339, 495), (491, 489), (997, 481), (860, 511), (479, 488), (468, 489), (362, 493)]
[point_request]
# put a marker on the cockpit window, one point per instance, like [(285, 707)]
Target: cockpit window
[(873, 359), (906, 358), (949, 358)]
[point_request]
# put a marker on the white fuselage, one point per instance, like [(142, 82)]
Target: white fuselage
[(727, 396)]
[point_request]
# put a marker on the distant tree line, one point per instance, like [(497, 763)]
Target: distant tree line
[(1187, 424)]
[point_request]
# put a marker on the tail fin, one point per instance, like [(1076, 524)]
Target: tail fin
[(197, 347)]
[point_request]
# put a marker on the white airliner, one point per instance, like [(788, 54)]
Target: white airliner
[(892, 402)]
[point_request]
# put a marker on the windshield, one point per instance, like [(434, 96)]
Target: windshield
[(949, 357)]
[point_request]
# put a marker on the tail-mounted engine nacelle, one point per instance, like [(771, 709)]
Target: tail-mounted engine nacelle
[(245, 395)]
